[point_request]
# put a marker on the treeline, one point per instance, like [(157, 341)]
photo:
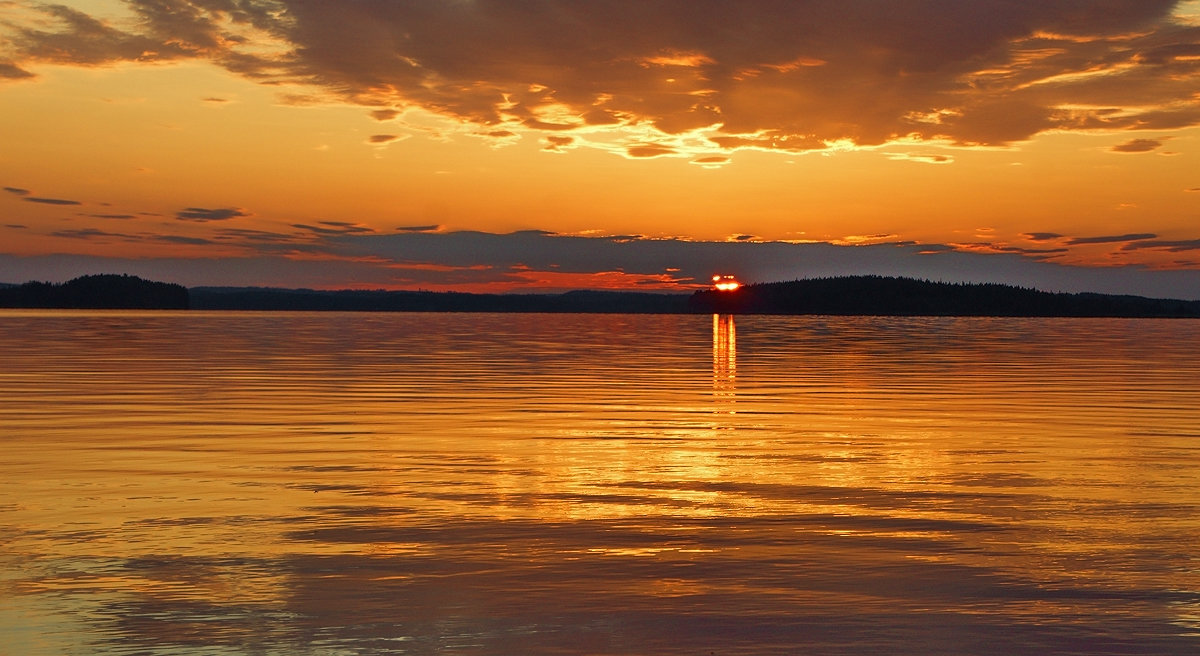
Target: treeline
[(106, 291), (224, 298), (852, 295), (878, 295)]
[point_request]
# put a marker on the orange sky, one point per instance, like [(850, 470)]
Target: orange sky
[(369, 143)]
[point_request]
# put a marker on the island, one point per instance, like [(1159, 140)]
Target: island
[(104, 291)]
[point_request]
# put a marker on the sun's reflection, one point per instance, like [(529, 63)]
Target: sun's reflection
[(724, 344)]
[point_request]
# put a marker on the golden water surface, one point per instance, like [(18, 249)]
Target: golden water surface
[(292, 483)]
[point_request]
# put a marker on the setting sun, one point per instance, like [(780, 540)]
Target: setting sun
[(725, 283)]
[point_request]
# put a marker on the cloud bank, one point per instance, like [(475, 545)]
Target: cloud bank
[(340, 254), (682, 77)]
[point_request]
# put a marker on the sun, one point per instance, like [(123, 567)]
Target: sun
[(725, 283)]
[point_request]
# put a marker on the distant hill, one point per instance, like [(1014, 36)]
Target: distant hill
[(106, 291), (878, 295)]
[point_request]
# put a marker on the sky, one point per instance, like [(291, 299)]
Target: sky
[(522, 145)]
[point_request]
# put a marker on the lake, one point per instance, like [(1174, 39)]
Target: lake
[(344, 483)]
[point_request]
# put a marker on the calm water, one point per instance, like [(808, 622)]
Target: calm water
[(274, 483)]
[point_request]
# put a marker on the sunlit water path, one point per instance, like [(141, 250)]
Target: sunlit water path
[(275, 483)]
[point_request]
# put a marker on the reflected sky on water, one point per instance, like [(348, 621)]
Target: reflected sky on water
[(275, 483)]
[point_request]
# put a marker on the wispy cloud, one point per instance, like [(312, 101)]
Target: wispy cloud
[(335, 228), (1173, 246), (10, 71), (203, 214), (385, 138), (1137, 146), (1111, 239), (50, 201), (88, 233), (419, 228)]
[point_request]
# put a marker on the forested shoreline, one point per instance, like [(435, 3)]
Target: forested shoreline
[(847, 295)]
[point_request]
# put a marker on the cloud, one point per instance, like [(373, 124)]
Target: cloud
[(1171, 246), (683, 263), (557, 143), (772, 74), (17, 191), (384, 138), (649, 150), (711, 161), (420, 228), (112, 216), (385, 114), (180, 239), (205, 214), (51, 201), (10, 71), (1042, 236), (1111, 239), (87, 233), (539, 261), (257, 236), (1137, 146), (334, 228), (926, 158)]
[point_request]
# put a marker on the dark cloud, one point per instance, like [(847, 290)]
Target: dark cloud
[(88, 233), (385, 114), (216, 101), (16, 226), (111, 216), (776, 74), (334, 228), (258, 236), (17, 190), (10, 71), (466, 258), (556, 142), (1042, 236), (1172, 246), (421, 228), (712, 159), (179, 239), (1111, 239), (82, 39), (1137, 146), (690, 262), (1193, 190), (51, 201), (205, 214), (382, 138), (647, 150)]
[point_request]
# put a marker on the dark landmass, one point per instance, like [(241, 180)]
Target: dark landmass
[(852, 295), (108, 291), (254, 298), (877, 295)]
